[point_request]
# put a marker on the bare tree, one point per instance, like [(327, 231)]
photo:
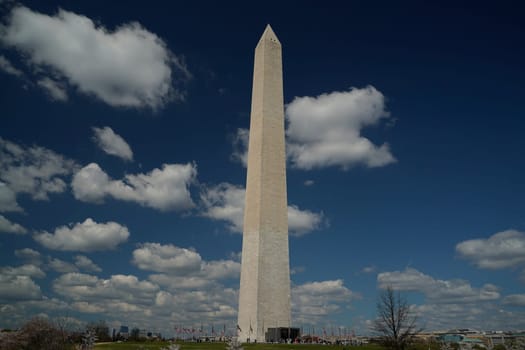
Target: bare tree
[(395, 324), (65, 327), (37, 333), (135, 334)]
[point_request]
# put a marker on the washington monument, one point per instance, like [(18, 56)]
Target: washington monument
[(264, 296)]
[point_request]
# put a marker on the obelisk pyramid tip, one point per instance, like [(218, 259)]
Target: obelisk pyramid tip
[(269, 34)]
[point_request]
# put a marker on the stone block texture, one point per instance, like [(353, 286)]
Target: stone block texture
[(264, 296)]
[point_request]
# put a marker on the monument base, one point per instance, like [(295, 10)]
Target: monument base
[(282, 334)]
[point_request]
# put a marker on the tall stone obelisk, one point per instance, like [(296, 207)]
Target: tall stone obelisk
[(264, 296)]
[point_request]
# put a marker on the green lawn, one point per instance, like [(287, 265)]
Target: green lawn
[(303, 347), (222, 346), (131, 346)]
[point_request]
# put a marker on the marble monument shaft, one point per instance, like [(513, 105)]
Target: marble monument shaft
[(264, 296)]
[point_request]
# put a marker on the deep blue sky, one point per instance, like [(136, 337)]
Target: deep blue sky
[(441, 220)]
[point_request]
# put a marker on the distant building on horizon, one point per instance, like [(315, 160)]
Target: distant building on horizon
[(124, 332)]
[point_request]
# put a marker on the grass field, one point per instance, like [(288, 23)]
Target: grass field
[(132, 346), (222, 346)]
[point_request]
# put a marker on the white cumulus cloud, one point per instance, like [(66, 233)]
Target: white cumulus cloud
[(85, 237), (29, 270), (182, 268), (166, 258), (127, 289), (313, 301), (515, 299), (301, 222), (208, 276), (125, 67), (34, 170), (221, 269), (193, 306), (164, 189), (123, 295), (11, 227), (29, 254), (477, 316), (226, 202), (61, 265), (111, 143), (14, 288), (8, 67), (17, 312), (240, 146), (8, 201), (89, 308), (436, 290), (453, 303), (326, 130), (86, 264), (54, 89), (501, 250)]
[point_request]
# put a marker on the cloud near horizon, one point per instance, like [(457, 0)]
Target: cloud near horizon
[(18, 287), (455, 303), (181, 268), (436, 290), (312, 301), (501, 250)]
